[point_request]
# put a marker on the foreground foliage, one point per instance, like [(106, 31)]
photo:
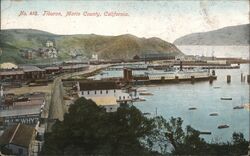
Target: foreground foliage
[(88, 130)]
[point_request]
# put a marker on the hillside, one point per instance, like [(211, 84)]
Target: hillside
[(107, 47), (233, 35)]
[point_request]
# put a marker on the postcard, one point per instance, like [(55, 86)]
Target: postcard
[(124, 77)]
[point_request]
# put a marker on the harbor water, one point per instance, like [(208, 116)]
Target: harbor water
[(174, 100)]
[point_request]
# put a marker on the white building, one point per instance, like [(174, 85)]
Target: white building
[(52, 53), (94, 57), (49, 44), (105, 93)]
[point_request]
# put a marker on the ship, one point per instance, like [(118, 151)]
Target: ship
[(173, 73)]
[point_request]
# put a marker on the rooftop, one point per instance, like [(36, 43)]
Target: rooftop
[(20, 135), (21, 110), (8, 65), (29, 102), (11, 72), (27, 68), (74, 66), (104, 101), (98, 85)]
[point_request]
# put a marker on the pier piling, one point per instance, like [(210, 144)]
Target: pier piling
[(176, 79), (162, 79), (211, 79), (228, 78), (213, 72), (192, 79), (242, 77), (248, 78)]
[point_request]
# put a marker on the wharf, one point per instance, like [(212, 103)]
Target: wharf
[(185, 66)]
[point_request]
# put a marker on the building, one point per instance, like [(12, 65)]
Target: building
[(157, 56), (222, 62), (33, 72), (105, 93), (25, 109), (127, 74), (108, 102), (52, 53), (8, 65), (66, 68), (49, 44), (29, 54), (22, 73), (18, 140), (94, 57), (13, 74)]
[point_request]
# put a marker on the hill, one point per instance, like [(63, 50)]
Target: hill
[(107, 47), (233, 35)]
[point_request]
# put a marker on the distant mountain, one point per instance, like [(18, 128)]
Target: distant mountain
[(107, 47), (233, 35)]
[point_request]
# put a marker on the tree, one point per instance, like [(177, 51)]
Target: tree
[(89, 129)]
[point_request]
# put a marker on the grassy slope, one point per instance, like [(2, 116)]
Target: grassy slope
[(107, 47)]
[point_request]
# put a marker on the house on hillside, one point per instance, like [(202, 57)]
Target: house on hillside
[(52, 53), (49, 44)]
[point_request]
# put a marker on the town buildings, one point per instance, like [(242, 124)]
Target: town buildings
[(25, 109), (29, 72)]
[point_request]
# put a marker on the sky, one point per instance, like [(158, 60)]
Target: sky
[(167, 20)]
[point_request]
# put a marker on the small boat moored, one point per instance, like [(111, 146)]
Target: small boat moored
[(141, 89), (205, 132), (192, 108), (213, 114), (238, 107), (222, 126), (226, 98), (216, 87), (139, 99), (145, 93)]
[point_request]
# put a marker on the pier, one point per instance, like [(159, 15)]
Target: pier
[(119, 67)]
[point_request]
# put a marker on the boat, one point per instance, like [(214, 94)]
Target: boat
[(213, 114), (103, 73), (192, 108), (205, 132), (141, 89), (142, 99), (223, 126), (139, 99), (145, 93), (216, 87), (146, 113), (226, 98), (238, 107), (183, 74)]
